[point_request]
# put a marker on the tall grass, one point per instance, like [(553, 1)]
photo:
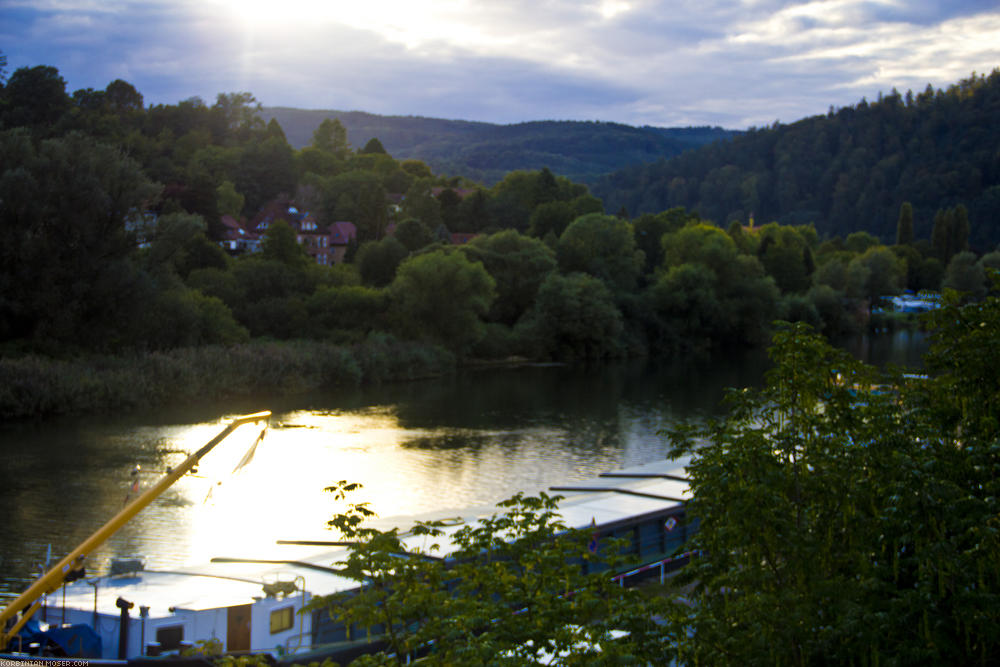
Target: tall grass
[(37, 386)]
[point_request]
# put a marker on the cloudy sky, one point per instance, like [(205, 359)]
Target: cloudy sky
[(659, 62)]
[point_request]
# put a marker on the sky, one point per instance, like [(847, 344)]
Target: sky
[(734, 64)]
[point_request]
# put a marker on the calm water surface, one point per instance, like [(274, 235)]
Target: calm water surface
[(473, 439)]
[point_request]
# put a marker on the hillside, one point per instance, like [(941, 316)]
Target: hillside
[(845, 171), (485, 152)]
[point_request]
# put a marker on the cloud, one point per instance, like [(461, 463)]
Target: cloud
[(635, 61)]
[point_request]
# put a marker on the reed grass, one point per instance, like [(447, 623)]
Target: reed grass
[(35, 386)]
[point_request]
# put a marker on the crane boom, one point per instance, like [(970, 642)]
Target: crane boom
[(30, 601)]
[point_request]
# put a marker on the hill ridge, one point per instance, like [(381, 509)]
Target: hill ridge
[(485, 152)]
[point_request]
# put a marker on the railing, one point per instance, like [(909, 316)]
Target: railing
[(662, 564)]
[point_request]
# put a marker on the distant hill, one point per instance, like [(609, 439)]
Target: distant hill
[(845, 171), (485, 152)]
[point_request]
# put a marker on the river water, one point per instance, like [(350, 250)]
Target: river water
[(472, 439)]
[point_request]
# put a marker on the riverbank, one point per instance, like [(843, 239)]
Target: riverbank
[(35, 386)]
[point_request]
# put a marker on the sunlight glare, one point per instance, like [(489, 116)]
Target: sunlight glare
[(413, 24)]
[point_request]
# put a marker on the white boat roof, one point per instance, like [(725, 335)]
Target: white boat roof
[(233, 579)]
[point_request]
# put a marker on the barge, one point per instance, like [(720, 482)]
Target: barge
[(242, 604)]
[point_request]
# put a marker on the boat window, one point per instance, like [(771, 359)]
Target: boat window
[(170, 637), (282, 619)]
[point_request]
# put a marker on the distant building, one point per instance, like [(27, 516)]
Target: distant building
[(325, 245), (236, 239)]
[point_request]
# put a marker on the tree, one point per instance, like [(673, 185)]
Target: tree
[(66, 269), (442, 296), (265, 170), (511, 591), (377, 260), (122, 98), (786, 257), (556, 216), (859, 242), (413, 234), (230, 201), (875, 274), (950, 234), (965, 275), (420, 203), (331, 137), (708, 293), (574, 317), (280, 244), (374, 146), (863, 515), (904, 225), (347, 308), (35, 97), (519, 264), (237, 116), (604, 247), (175, 233), (274, 130)]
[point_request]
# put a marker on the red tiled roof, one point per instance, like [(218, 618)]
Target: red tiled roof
[(342, 232)]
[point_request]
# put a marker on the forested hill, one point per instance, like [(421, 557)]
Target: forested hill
[(486, 152), (846, 171)]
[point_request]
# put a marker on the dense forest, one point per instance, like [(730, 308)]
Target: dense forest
[(113, 213), (846, 171), (485, 152)]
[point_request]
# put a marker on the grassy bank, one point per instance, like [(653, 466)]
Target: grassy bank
[(35, 386)]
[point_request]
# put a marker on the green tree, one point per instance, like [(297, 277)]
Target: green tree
[(859, 242), (574, 317), (863, 515), (511, 592), (786, 257), (875, 274), (331, 137), (122, 97), (708, 293), (377, 261), (904, 225), (266, 169), (420, 203), (349, 308), (35, 97), (950, 234), (604, 247), (180, 317), (230, 201), (280, 244), (519, 264), (66, 269), (273, 130), (965, 275), (237, 116), (416, 169), (442, 296), (374, 146), (413, 234), (179, 246), (556, 216)]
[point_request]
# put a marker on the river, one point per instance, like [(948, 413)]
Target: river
[(472, 439)]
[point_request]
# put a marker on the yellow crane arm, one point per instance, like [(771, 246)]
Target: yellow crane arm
[(29, 601)]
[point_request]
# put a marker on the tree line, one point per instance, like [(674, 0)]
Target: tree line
[(845, 171), (549, 275), (485, 152)]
